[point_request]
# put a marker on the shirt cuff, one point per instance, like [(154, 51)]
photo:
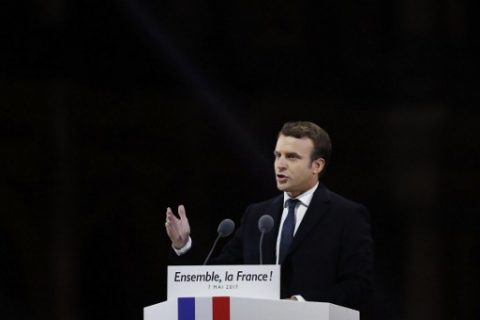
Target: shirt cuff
[(185, 248), (299, 297)]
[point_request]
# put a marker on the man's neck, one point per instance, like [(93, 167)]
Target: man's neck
[(299, 193)]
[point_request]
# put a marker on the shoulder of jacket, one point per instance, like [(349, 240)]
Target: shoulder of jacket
[(345, 203), (266, 203)]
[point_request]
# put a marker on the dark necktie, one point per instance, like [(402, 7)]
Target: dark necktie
[(287, 229)]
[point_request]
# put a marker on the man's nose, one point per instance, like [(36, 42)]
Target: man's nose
[(280, 163)]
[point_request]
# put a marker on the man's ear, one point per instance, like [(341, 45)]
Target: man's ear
[(318, 165)]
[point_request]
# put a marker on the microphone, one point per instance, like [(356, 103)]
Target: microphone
[(225, 228), (265, 224)]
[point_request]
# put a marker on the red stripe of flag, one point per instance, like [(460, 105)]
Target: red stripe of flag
[(221, 308)]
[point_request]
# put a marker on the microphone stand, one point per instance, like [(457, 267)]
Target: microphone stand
[(260, 249), (211, 250)]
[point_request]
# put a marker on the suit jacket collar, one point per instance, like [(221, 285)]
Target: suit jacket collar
[(315, 212), (275, 209)]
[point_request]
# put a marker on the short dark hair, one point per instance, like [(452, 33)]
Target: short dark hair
[(322, 146)]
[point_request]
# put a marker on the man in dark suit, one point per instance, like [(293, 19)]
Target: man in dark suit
[(321, 239)]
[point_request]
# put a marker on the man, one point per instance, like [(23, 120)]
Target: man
[(321, 239)]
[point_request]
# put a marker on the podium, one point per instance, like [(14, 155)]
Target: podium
[(236, 292), (236, 308)]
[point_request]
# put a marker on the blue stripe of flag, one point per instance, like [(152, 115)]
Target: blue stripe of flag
[(186, 308)]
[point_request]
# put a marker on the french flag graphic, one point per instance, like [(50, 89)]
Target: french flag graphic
[(215, 308)]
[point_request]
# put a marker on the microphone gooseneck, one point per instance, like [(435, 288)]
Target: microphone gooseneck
[(225, 228), (265, 224)]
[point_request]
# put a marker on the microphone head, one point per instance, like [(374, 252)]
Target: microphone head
[(265, 223), (225, 228)]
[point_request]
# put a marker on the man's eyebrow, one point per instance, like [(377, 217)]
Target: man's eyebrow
[(293, 154)]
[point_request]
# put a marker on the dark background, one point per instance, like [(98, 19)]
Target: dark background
[(112, 111)]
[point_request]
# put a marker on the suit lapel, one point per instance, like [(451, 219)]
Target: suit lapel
[(317, 208), (270, 241)]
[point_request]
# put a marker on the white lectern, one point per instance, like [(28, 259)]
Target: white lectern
[(233, 308)]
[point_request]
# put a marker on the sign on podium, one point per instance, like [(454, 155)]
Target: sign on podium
[(250, 281)]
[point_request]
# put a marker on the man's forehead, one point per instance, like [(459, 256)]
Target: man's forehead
[(292, 144)]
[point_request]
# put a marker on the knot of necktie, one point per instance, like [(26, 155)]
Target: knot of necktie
[(292, 204)]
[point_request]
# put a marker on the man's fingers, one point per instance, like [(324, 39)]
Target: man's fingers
[(181, 212), (171, 224), (177, 229), (170, 216), (172, 231), (175, 236)]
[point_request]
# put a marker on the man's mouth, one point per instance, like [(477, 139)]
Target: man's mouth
[(281, 178)]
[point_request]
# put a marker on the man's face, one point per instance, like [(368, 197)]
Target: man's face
[(295, 173)]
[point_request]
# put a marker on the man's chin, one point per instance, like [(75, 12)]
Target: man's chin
[(282, 187)]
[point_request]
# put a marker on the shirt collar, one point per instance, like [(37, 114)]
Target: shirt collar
[(305, 198)]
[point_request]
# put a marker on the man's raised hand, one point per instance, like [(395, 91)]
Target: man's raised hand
[(178, 229)]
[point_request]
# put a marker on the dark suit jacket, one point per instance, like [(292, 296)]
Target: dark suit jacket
[(330, 258)]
